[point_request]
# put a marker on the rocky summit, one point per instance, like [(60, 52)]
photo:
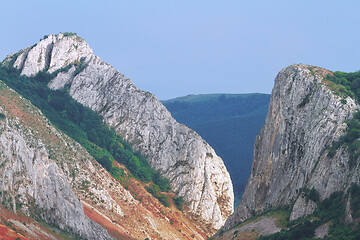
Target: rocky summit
[(291, 153), (179, 153)]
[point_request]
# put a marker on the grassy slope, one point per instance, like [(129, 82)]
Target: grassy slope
[(229, 123)]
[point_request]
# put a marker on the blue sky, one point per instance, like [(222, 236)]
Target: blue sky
[(175, 48)]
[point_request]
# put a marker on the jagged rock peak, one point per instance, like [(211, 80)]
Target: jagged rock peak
[(290, 153), (53, 52), (194, 169)]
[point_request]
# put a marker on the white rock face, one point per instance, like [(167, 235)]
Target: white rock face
[(41, 169), (194, 169), (304, 117), (32, 181), (53, 53), (302, 208)]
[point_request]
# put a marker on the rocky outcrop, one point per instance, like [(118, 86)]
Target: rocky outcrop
[(194, 169), (44, 174), (302, 208), (304, 117), (30, 179)]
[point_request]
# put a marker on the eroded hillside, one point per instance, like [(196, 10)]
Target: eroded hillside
[(46, 175), (195, 171)]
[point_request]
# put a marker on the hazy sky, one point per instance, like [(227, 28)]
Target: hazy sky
[(174, 48)]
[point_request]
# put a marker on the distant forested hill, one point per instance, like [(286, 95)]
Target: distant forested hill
[(229, 123)]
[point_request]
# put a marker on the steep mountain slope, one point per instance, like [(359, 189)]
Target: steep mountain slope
[(30, 177), (229, 123), (44, 174), (195, 171), (306, 115)]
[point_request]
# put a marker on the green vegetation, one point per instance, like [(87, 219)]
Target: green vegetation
[(156, 192), (179, 201), (44, 37), (303, 230), (355, 200), (67, 34), (330, 211), (281, 215), (2, 116), (350, 140), (344, 85), (226, 122), (310, 194), (332, 208), (79, 66), (83, 125)]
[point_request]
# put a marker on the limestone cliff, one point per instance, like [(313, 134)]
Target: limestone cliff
[(194, 169), (304, 118), (30, 178), (45, 174)]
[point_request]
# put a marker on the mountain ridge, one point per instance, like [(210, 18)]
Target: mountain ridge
[(117, 204), (209, 96), (150, 127)]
